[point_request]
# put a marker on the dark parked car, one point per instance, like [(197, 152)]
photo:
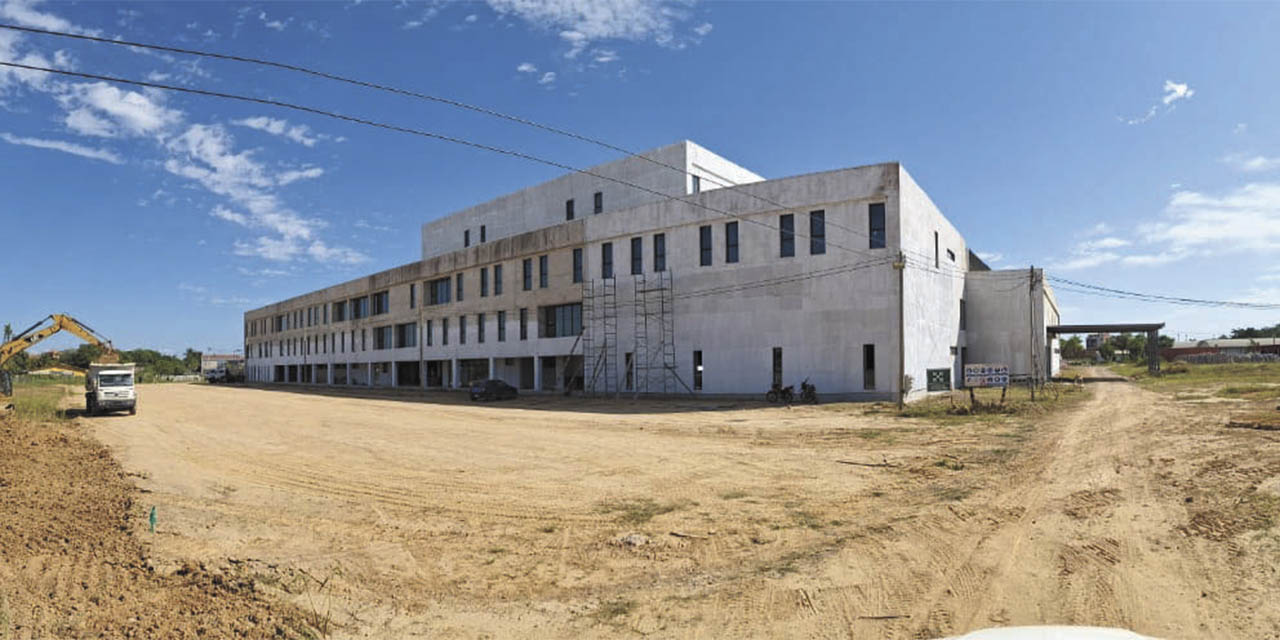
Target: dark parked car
[(492, 390)]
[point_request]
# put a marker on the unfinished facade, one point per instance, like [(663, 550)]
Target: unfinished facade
[(697, 276)]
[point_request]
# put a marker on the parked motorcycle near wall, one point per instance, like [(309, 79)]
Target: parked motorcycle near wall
[(786, 394), (808, 392)]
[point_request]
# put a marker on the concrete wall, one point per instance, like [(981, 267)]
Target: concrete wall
[(1001, 322), (934, 286), (544, 204)]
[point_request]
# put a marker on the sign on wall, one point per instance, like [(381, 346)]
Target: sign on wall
[(938, 379), (986, 375)]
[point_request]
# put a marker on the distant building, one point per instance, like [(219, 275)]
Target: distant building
[(1094, 341), (213, 361)]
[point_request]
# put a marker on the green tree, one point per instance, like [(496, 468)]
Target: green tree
[(1106, 351), (192, 360), (82, 356), (1072, 348), (1166, 342), (1137, 347)]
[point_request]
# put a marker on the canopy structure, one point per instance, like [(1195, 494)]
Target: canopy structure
[(1152, 329)]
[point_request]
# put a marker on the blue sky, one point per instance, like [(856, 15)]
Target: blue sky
[(1131, 145)]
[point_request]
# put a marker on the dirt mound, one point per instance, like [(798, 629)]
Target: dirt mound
[(72, 564)]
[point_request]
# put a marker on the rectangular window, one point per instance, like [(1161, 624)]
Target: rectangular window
[(462, 329), (704, 245), (868, 366), (777, 366), (339, 311), (382, 338), (502, 326), (731, 242), (697, 371), (438, 291), (606, 260), (542, 272), (962, 318), (364, 339), (359, 308), (406, 335), (598, 204), (787, 228), (524, 324), (484, 282), (577, 265), (697, 184), (628, 364), (482, 234), (381, 303), (527, 265), (659, 252), (466, 238), (479, 327), (458, 287), (936, 261), (429, 331), (413, 298), (444, 331), (637, 256), (951, 255), (497, 279), (817, 232), (875, 222), (562, 320), (568, 209)]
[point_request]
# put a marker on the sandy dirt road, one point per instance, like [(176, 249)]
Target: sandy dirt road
[(443, 519)]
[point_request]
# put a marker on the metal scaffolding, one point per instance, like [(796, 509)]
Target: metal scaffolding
[(600, 336), (655, 330)]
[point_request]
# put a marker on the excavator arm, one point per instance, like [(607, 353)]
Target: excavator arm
[(43, 329)]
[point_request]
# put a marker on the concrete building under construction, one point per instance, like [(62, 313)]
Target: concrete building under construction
[(675, 271)]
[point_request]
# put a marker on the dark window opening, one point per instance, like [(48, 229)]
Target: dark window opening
[(875, 215), (660, 252), (697, 184), (777, 366), (462, 329), (482, 234), (817, 232), (568, 209), (527, 266), (606, 260), (697, 371), (868, 366), (458, 288), (543, 272), (577, 265), (484, 282), (479, 327), (731, 242), (466, 238), (562, 320), (497, 279), (704, 245), (787, 237), (502, 326), (598, 204), (637, 256), (524, 324)]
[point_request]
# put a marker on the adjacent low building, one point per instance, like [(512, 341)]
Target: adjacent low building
[(675, 271)]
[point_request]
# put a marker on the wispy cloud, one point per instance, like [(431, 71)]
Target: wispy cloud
[(1173, 92), (299, 133), (527, 67), (989, 257), (65, 147), (294, 175), (1245, 219), (1251, 163), (703, 29), (365, 224), (547, 78), (579, 23)]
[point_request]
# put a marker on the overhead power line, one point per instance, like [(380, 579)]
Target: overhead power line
[(1093, 289), (418, 132), (728, 184)]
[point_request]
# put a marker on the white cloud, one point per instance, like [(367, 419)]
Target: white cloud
[(82, 120), (273, 24), (413, 24), (527, 67), (547, 78), (24, 13), (604, 56), (1098, 229), (1086, 261), (364, 224), (1246, 219), (703, 29), (290, 176), (224, 213), (581, 22), (989, 258), (471, 18), (1251, 163), (1240, 128), (1152, 259), (1173, 92), (128, 111), (65, 147), (320, 252), (300, 134), (1103, 243), (191, 288)]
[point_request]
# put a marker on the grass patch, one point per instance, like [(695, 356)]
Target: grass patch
[(1250, 391), (37, 401), (614, 609), (954, 408), (807, 519), (1180, 376), (733, 495), (950, 463), (637, 511)]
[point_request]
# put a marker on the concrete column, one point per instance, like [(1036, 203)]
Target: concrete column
[(456, 365), (395, 374), (492, 361), (537, 373), (368, 374)]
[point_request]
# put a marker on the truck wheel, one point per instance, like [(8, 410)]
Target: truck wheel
[(133, 411)]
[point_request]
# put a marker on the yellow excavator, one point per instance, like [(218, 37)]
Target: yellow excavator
[(38, 332)]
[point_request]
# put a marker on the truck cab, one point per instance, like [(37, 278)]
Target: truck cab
[(109, 387)]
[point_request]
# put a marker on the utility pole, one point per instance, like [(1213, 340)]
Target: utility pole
[(900, 265), (1031, 329)]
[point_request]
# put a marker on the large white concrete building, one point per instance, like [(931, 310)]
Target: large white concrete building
[(671, 272)]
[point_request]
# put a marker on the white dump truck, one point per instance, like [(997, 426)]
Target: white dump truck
[(109, 387)]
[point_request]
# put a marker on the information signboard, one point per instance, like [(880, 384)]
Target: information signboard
[(986, 375)]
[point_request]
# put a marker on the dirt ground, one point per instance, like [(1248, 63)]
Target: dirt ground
[(547, 517), (73, 563)]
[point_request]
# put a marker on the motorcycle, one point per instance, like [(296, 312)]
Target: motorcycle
[(786, 394), (808, 392)]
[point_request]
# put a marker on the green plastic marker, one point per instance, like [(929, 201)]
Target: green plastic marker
[(152, 519)]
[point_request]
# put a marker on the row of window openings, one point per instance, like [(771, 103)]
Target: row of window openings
[(597, 205), (557, 322), (868, 368), (438, 290)]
